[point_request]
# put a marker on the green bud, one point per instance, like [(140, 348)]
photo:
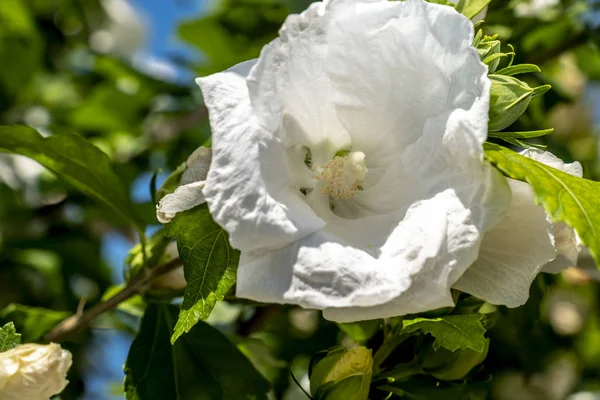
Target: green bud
[(446, 365), (341, 374), (509, 98), (489, 49)]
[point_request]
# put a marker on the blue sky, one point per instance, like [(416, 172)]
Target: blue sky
[(163, 17)]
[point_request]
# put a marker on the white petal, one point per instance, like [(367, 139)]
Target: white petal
[(412, 271), (551, 160), (183, 198), (198, 164), (512, 253), (393, 65), (249, 188), (290, 90), (568, 246)]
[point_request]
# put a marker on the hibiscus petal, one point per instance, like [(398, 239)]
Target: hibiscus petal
[(290, 90), (393, 65), (183, 198), (411, 272), (198, 164), (249, 187), (512, 253)]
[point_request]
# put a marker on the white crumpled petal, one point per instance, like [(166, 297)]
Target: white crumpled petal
[(33, 371), (189, 194), (523, 244), (248, 184), (396, 81)]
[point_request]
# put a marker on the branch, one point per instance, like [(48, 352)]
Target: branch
[(137, 285)]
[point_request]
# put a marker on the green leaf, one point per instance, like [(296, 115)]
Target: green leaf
[(209, 262), (203, 365), (451, 332), (474, 7), (521, 135), (519, 69), (565, 197), (32, 322), (75, 160), (525, 145), (9, 338), (361, 331), (540, 90)]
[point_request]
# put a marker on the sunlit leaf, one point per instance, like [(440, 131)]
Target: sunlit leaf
[(9, 338), (209, 263), (75, 160), (451, 332)]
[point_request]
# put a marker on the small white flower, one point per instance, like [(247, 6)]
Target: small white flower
[(33, 372), (524, 243), (347, 161)]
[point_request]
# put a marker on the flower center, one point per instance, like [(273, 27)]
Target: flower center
[(342, 176)]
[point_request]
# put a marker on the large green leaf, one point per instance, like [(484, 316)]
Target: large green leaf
[(9, 338), (203, 365), (565, 197), (32, 322), (210, 265), (75, 160), (451, 332)]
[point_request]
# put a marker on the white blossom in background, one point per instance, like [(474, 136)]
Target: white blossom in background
[(123, 33), (525, 243), (33, 371), (347, 161), (534, 8)]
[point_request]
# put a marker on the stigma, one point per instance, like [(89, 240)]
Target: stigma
[(342, 176)]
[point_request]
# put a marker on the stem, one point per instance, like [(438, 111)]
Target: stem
[(136, 286), (386, 349), (259, 320), (401, 372)]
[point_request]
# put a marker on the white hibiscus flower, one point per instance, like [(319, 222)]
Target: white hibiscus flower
[(524, 243), (347, 161), (33, 371)]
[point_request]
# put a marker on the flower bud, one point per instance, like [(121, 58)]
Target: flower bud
[(341, 374), (489, 49), (33, 371), (449, 365), (509, 98)]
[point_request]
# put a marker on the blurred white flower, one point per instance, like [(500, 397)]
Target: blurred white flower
[(534, 8), (347, 161), (123, 33), (524, 243), (33, 372)]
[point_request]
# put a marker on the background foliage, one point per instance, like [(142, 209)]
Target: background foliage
[(62, 246)]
